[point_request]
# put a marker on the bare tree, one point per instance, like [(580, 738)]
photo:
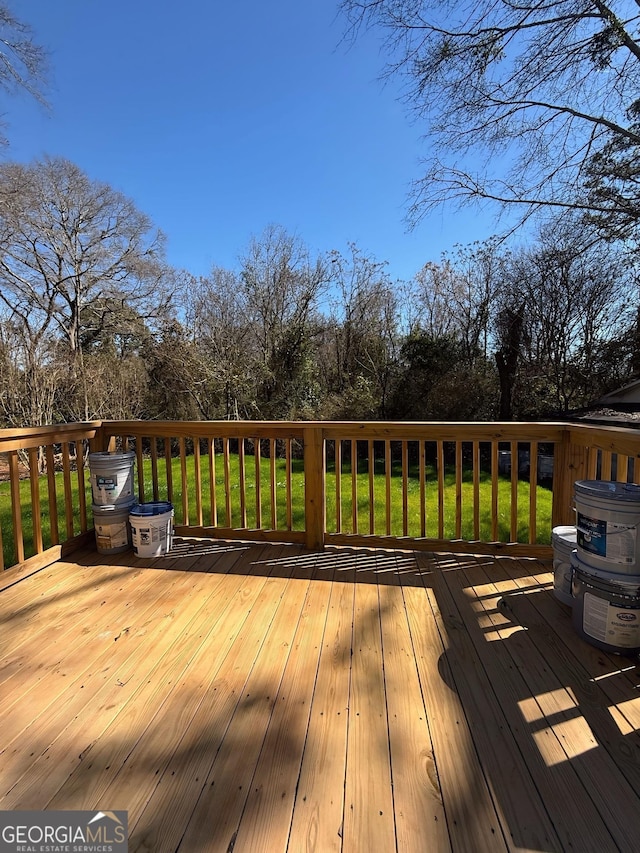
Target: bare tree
[(281, 286), (73, 253), (561, 303), (365, 321), (515, 98), (455, 297), (29, 377), (221, 382), (23, 63)]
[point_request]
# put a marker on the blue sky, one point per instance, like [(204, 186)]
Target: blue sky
[(218, 119)]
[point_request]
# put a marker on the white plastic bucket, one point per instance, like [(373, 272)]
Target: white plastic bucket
[(606, 607), (113, 531), (151, 528), (112, 478), (608, 522), (563, 540)]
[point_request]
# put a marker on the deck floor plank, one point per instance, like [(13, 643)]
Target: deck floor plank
[(44, 619), (87, 649), (161, 803), (218, 811), (538, 798), (368, 814), (158, 671), (472, 820), (147, 658), (571, 709), (261, 697), (64, 614), (319, 808), (267, 815), (416, 790)]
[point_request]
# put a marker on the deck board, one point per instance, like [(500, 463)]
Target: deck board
[(259, 697), (368, 807)]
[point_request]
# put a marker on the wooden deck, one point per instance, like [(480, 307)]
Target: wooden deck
[(265, 698)]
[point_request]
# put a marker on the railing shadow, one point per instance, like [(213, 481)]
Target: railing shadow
[(555, 723), (564, 715)]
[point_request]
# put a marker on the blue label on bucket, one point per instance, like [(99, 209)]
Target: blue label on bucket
[(592, 535), (106, 483)]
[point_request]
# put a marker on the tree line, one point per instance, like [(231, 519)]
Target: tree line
[(94, 323), (529, 106)]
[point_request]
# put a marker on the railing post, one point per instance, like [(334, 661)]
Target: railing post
[(570, 464), (314, 486), (99, 442)]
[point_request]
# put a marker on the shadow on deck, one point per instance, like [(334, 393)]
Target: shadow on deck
[(245, 697)]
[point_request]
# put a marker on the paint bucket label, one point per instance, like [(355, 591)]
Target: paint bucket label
[(607, 540), (150, 535), (111, 535), (610, 623), (106, 484)]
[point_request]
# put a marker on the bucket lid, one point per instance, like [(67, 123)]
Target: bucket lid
[(630, 584), (111, 456), (567, 533), (606, 490), (111, 509), (147, 510)]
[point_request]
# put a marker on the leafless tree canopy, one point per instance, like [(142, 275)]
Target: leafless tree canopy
[(23, 63), (515, 98), (76, 258)]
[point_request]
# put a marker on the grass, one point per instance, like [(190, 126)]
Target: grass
[(543, 498)]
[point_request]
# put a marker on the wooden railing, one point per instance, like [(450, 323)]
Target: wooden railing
[(480, 487), (42, 514)]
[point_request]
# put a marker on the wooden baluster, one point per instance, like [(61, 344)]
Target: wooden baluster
[(34, 483), (354, 486), (288, 484), (68, 500), (440, 466), (405, 488), (227, 480), (16, 508), (533, 492), (338, 456), (513, 510), (274, 483), (154, 468), (53, 502), (458, 533), (422, 477), (388, 471), (476, 489), (82, 497), (256, 454), (212, 483), (371, 460), (494, 490), (198, 480), (169, 468), (183, 480)]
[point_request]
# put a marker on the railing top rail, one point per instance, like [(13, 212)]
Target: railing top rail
[(191, 429), (445, 430), (614, 438), (18, 438), (604, 437)]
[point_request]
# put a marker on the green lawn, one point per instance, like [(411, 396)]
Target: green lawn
[(297, 492), (543, 499)]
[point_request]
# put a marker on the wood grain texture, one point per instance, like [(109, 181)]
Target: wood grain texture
[(262, 697)]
